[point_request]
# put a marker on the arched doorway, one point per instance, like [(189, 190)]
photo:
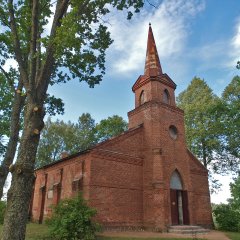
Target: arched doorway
[(179, 201)]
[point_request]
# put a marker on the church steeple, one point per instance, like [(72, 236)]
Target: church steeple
[(152, 63), (154, 85)]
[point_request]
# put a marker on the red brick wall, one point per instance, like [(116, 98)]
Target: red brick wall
[(116, 191), (200, 196), (71, 169)]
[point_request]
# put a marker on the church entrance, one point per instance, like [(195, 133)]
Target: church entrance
[(179, 201)]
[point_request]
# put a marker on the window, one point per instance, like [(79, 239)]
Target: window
[(173, 132), (166, 96), (77, 185), (142, 98), (175, 182)]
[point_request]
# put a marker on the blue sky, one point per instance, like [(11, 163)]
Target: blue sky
[(194, 38)]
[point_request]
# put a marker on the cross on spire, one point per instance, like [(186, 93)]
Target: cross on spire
[(152, 63)]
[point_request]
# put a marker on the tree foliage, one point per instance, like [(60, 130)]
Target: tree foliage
[(228, 215), (6, 98), (72, 220), (212, 125), (58, 137), (202, 121), (231, 98), (110, 127)]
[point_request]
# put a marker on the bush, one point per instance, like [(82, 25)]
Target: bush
[(3, 206), (227, 218), (72, 220)]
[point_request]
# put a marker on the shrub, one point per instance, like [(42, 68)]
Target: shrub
[(227, 218), (72, 220), (3, 206)]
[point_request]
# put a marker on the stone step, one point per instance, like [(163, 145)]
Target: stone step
[(186, 229)]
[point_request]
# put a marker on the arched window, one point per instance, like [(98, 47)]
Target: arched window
[(166, 96), (176, 182), (142, 98)]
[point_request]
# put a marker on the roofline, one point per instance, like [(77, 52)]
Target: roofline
[(159, 78), (64, 159), (87, 150)]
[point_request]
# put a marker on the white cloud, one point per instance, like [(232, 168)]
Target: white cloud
[(170, 24), (219, 54), (235, 42)]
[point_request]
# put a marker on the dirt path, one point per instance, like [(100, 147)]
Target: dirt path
[(212, 235)]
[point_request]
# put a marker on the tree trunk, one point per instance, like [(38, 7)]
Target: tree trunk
[(19, 194), (13, 138)]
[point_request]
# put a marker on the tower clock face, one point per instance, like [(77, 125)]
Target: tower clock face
[(173, 132)]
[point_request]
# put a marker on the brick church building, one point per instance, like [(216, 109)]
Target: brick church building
[(144, 178)]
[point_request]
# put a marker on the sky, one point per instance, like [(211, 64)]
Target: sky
[(193, 37)]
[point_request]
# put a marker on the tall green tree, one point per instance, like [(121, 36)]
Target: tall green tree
[(110, 127), (6, 98), (203, 123), (231, 99), (86, 132), (12, 101), (77, 41), (58, 137)]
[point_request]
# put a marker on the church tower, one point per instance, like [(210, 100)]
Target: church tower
[(167, 186)]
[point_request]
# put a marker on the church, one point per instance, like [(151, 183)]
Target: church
[(144, 178)]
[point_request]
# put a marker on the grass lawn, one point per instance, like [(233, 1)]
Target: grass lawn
[(34, 231), (40, 232), (129, 238), (233, 235)]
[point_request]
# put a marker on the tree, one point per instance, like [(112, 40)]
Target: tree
[(77, 41), (110, 127), (6, 97), (12, 104), (203, 122), (231, 98), (235, 193), (228, 215), (58, 137), (86, 132)]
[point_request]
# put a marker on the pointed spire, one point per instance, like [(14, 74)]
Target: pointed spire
[(152, 63)]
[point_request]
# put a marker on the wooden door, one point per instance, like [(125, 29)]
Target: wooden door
[(185, 208), (174, 207)]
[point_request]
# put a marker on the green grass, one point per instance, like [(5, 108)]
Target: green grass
[(34, 231), (233, 235), (131, 238), (40, 232)]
